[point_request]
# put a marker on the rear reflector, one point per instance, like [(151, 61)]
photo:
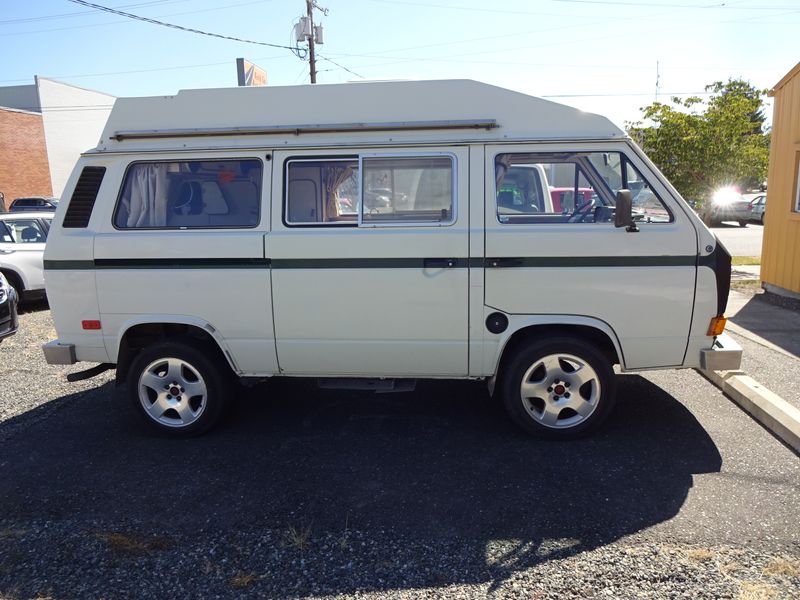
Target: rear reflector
[(717, 326), (90, 324)]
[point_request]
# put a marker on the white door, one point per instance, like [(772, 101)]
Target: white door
[(369, 256), (571, 260)]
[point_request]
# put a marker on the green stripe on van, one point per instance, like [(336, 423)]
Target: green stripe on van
[(372, 263)]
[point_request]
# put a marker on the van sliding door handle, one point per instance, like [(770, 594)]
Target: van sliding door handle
[(440, 263), (499, 263)]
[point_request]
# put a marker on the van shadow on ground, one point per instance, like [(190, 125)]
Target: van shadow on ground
[(442, 464)]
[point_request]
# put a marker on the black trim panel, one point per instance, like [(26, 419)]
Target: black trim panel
[(156, 263), (372, 263), (590, 261)]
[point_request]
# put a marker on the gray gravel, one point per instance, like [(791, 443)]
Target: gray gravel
[(304, 493), (26, 380), (60, 562)]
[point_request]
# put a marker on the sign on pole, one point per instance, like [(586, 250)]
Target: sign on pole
[(250, 73)]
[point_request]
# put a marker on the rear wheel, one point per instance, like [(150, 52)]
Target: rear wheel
[(559, 388), (177, 388)]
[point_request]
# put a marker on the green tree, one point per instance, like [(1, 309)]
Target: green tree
[(701, 146)]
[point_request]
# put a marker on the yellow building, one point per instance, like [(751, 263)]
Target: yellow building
[(780, 255)]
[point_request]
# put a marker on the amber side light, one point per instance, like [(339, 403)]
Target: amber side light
[(717, 326)]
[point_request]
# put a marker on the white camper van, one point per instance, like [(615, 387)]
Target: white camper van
[(373, 234)]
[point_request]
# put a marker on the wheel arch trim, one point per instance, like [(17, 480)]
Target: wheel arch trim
[(114, 343), (9, 268), (520, 323)]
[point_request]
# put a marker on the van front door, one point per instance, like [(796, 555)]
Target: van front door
[(369, 257), (552, 249)]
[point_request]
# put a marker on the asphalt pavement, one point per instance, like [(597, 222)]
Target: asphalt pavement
[(307, 492), (740, 241)]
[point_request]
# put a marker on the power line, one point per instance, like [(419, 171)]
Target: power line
[(81, 13), (341, 66), (725, 5), (173, 26)]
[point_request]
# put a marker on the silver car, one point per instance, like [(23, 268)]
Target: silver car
[(727, 204), (759, 208)]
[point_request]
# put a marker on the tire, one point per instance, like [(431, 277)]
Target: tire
[(177, 388), (538, 387)]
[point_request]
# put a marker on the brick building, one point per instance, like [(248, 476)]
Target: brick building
[(24, 170), (44, 127)]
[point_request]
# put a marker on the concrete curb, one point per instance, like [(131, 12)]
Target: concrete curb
[(766, 407)]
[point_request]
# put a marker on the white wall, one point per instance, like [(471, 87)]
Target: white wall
[(73, 120)]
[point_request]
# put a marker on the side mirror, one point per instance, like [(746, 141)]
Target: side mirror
[(623, 215)]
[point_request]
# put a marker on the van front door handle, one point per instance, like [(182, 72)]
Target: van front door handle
[(440, 263)]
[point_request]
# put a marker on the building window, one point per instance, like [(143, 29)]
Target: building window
[(797, 183)]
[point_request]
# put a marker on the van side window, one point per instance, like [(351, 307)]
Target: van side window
[(190, 194), (570, 187), (408, 189), (321, 191)]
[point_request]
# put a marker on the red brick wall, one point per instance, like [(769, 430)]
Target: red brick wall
[(24, 170)]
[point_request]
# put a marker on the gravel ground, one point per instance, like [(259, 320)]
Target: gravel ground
[(27, 380), (328, 495), (277, 564)]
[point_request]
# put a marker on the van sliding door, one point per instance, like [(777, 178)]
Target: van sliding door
[(369, 262)]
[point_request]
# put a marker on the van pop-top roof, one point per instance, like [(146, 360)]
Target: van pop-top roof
[(339, 114)]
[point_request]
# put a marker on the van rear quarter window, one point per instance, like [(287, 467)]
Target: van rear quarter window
[(190, 194)]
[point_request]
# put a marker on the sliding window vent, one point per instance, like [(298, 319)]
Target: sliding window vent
[(82, 201)]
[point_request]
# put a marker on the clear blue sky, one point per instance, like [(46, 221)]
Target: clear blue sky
[(597, 55)]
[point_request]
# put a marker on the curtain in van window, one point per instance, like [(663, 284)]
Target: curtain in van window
[(146, 201)]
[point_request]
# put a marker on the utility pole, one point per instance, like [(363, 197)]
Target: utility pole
[(658, 80), (312, 61), (306, 31)]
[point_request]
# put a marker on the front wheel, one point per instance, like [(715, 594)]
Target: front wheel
[(177, 388), (560, 388)]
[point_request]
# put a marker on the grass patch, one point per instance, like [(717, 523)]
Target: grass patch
[(298, 538), (127, 544), (700, 555), (781, 567), (756, 590), (11, 532), (243, 580), (746, 285), (742, 261)]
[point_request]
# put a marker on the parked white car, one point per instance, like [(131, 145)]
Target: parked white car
[(22, 242)]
